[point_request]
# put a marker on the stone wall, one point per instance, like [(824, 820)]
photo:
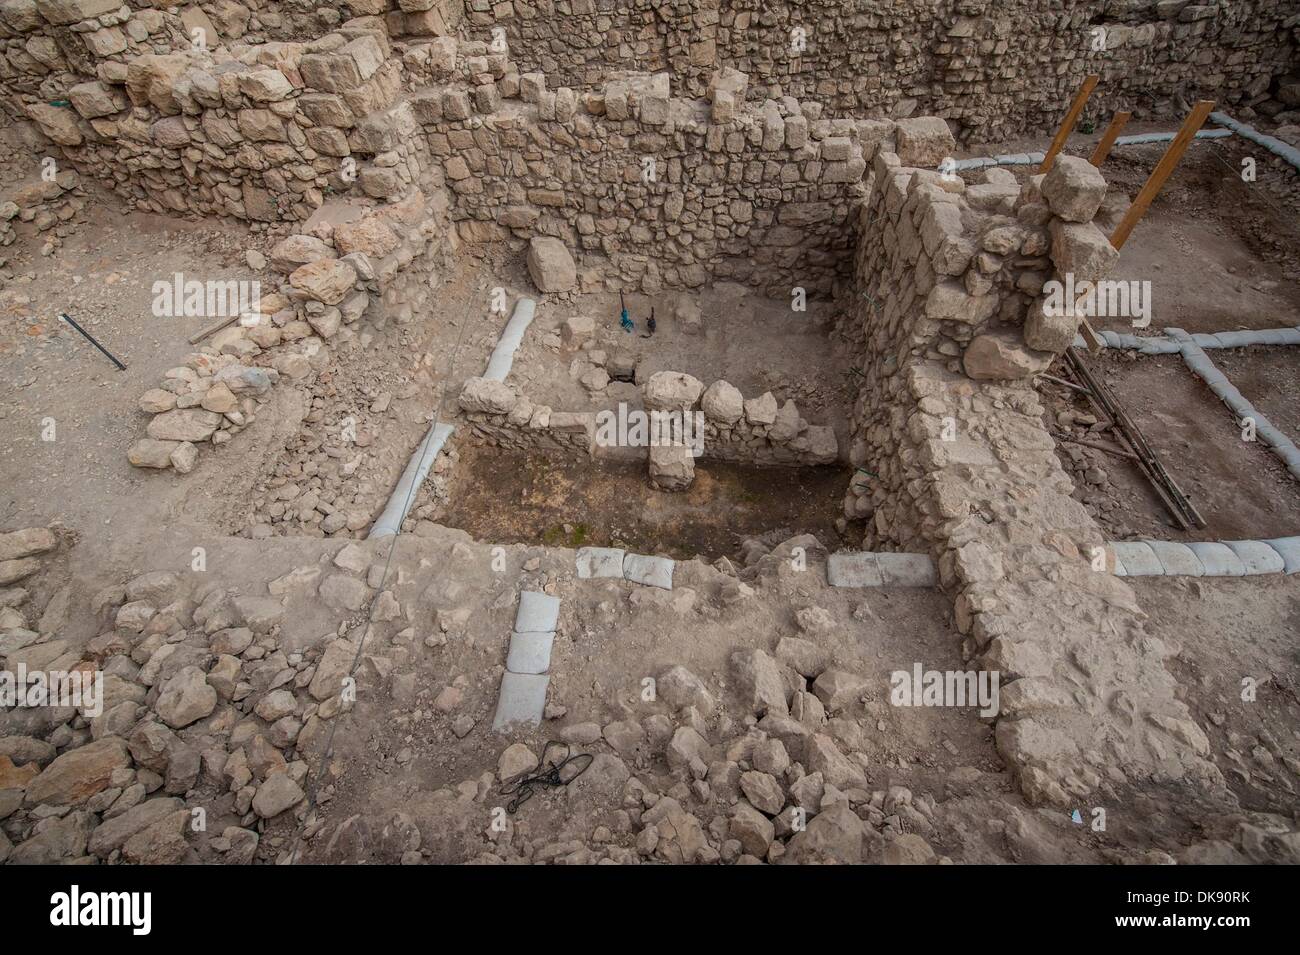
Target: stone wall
[(758, 432), (954, 274), (260, 132), (948, 313), (382, 264), (997, 69), (648, 189)]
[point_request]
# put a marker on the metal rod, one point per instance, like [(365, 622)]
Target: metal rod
[(91, 338)]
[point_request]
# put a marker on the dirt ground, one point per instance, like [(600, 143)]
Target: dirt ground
[(1268, 378), (1254, 741), (511, 497), (102, 277), (757, 344), (1241, 488), (1221, 254), (612, 636)]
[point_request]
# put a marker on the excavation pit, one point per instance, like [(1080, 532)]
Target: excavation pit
[(512, 497), (859, 330)]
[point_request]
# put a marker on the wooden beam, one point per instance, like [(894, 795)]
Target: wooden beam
[(1108, 138), (1072, 117), (1090, 336), (213, 329), (1168, 162)]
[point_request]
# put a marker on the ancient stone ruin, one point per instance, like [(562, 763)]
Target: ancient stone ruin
[(826, 426)]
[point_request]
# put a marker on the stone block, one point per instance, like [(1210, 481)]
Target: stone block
[(550, 265), (906, 570), (1074, 188), (925, 141)]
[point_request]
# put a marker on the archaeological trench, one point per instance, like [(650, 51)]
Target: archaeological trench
[(650, 398)]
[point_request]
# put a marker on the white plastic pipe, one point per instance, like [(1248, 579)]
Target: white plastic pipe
[(417, 469), (503, 356), (1271, 143), (1139, 138), (1155, 345), (1218, 382), (1033, 159)]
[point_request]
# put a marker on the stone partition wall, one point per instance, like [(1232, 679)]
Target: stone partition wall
[(954, 274), (983, 64), (948, 314), (758, 432), (351, 262)]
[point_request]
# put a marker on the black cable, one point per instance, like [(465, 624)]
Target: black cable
[(551, 774)]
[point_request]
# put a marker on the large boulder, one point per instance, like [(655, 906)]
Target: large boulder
[(96, 99), (78, 774), (757, 677), (1082, 250), (723, 403), (672, 467), (26, 543), (1074, 188), (487, 396), (276, 795), (924, 141), (1050, 330), (298, 250), (325, 280), (833, 836), (679, 687), (66, 12), (370, 235), (550, 265), (1003, 358), (186, 697), (671, 391), (60, 124), (183, 424)]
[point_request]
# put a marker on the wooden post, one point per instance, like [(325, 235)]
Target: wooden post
[(1072, 117), (1094, 341), (1168, 162), (1108, 138)]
